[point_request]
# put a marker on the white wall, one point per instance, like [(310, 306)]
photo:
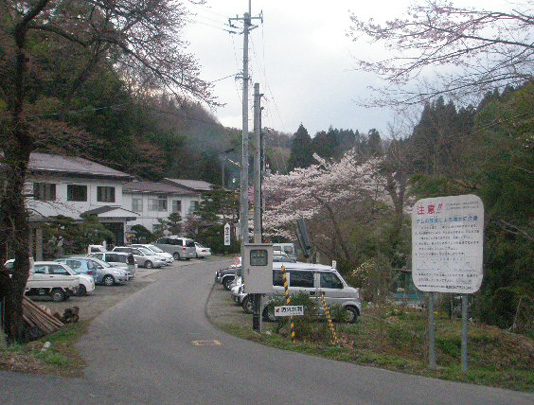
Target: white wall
[(71, 208), (150, 218)]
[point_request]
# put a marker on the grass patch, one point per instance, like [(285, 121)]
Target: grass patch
[(61, 359), (396, 339)]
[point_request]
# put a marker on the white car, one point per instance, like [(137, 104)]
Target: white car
[(157, 251), (202, 251), (87, 283), (143, 257)]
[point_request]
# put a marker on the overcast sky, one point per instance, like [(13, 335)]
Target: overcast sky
[(301, 57)]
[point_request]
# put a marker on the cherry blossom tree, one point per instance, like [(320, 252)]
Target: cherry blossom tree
[(334, 198), (480, 49)]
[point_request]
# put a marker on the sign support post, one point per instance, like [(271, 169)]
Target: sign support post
[(447, 254), (465, 301), (431, 333)]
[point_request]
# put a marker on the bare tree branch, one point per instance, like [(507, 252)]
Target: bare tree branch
[(484, 49)]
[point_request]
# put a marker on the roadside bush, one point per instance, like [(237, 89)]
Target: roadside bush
[(312, 326)]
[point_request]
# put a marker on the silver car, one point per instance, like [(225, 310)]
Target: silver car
[(166, 256), (125, 261), (103, 273), (180, 248), (143, 257)]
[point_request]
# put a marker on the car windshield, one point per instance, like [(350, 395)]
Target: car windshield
[(146, 251), (155, 249), (102, 263)]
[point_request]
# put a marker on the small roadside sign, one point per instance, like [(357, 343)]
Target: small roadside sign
[(226, 234), (289, 310)]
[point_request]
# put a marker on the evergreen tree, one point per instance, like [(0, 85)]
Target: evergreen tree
[(325, 144), (374, 143), (301, 149)]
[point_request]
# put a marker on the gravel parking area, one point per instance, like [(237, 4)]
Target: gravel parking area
[(102, 298)]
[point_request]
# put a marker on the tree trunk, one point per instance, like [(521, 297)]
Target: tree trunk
[(14, 225)]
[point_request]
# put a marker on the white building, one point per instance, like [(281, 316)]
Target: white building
[(71, 186), (155, 201)]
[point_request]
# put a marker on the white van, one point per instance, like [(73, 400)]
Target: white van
[(316, 280), (180, 248)]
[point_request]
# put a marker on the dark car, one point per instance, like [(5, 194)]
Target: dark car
[(226, 276)]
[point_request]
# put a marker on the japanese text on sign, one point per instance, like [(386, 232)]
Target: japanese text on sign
[(447, 241), (289, 310)]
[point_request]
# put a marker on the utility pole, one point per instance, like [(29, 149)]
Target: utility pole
[(243, 196), (257, 164)]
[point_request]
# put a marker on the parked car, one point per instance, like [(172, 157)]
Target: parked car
[(96, 248), (226, 276), (143, 257), (236, 290), (202, 251), (180, 248), (282, 257), (80, 266), (87, 282), (315, 280), (157, 251), (105, 273), (121, 260), (51, 279), (287, 248)]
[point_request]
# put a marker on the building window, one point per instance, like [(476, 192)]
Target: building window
[(105, 194), (44, 191), (76, 193), (157, 204), (137, 204), (193, 206), (176, 206)]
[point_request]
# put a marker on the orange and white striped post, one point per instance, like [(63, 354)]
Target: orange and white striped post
[(288, 302), (335, 340)]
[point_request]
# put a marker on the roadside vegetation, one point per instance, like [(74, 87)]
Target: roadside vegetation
[(60, 359), (395, 338)]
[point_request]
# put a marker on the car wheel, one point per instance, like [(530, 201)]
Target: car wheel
[(58, 295), (351, 314), (176, 256), (226, 283), (108, 280), (248, 305), (268, 313), (149, 264), (81, 290)]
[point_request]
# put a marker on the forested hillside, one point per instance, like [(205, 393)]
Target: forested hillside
[(357, 198)]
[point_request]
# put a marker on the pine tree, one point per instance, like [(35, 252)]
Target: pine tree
[(301, 149)]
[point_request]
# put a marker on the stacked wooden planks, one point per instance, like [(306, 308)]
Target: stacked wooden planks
[(35, 316)]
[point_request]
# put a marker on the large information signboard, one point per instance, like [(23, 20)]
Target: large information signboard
[(447, 241)]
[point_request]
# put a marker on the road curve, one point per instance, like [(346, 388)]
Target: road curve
[(157, 347)]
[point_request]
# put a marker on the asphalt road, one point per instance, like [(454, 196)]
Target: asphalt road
[(157, 347)]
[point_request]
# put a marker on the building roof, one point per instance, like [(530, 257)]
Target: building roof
[(195, 185), (44, 162), (146, 187), (113, 212)]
